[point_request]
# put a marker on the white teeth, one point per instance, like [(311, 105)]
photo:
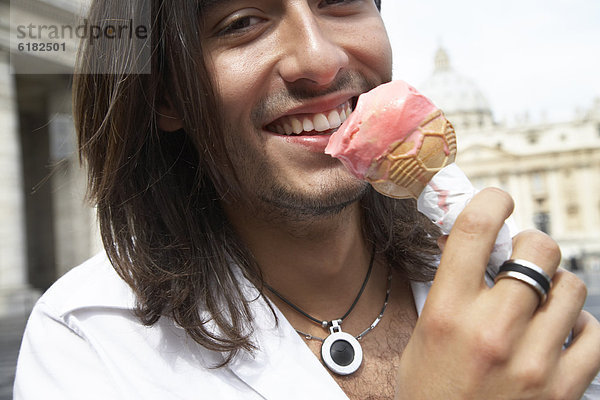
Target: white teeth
[(287, 128), (296, 125), (334, 119), (319, 122), (308, 125)]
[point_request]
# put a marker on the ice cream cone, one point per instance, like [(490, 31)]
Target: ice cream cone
[(396, 139), (409, 164)]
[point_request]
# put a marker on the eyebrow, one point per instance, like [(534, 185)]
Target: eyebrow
[(207, 4)]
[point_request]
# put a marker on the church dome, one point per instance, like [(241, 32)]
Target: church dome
[(451, 91)]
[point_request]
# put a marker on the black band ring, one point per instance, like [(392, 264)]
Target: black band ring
[(529, 273)]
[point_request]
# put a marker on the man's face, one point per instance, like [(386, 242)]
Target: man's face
[(287, 72)]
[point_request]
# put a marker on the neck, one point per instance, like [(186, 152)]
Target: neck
[(317, 264)]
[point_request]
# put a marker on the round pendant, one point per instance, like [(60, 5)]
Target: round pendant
[(341, 353)]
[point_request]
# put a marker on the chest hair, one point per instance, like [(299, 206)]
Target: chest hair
[(382, 349)]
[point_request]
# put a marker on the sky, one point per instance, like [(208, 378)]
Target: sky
[(536, 56)]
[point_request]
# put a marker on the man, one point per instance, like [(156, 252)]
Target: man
[(232, 233)]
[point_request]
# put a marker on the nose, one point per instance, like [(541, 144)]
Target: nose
[(310, 50)]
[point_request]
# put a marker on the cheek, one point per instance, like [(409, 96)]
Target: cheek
[(370, 46), (237, 78)]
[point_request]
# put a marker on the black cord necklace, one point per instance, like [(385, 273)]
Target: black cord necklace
[(340, 351)]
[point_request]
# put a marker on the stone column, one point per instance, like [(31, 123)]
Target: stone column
[(524, 206), (523, 214), (556, 203), (15, 297), (588, 184), (74, 222)]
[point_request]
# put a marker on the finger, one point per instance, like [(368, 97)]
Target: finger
[(557, 317), (471, 240), (580, 363), (547, 332), (539, 249)]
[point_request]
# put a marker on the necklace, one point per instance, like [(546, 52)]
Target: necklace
[(340, 351)]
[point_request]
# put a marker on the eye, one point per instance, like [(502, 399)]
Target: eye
[(240, 25), (325, 3), (344, 7)]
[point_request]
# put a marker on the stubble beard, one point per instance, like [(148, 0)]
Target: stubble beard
[(325, 200), (266, 194)]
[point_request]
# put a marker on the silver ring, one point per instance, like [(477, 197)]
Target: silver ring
[(529, 273), (532, 266)]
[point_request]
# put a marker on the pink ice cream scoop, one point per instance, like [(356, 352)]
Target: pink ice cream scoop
[(396, 139)]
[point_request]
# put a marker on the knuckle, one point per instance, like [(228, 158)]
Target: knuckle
[(473, 221), (574, 285), (533, 374), (497, 192), (542, 243), (477, 219), (501, 196), (491, 346), (439, 325), (440, 322)]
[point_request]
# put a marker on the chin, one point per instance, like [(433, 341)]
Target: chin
[(326, 199)]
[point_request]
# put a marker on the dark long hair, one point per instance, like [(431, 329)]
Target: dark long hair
[(158, 194)]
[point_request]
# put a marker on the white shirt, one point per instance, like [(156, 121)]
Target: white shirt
[(83, 341)]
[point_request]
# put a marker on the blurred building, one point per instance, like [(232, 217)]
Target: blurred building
[(552, 170), (45, 228)]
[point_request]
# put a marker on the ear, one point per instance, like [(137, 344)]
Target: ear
[(169, 119)]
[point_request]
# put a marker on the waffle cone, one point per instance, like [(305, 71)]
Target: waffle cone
[(404, 170)]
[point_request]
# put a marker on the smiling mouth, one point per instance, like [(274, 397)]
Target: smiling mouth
[(312, 124)]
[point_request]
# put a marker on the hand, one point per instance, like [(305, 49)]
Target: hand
[(476, 342)]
